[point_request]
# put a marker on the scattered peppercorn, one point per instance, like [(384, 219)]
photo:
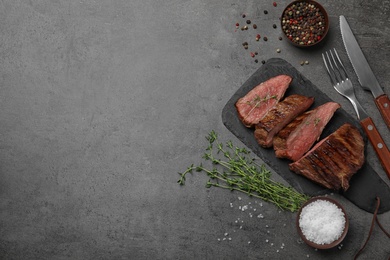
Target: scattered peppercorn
[(278, 50), (252, 54), (265, 38), (263, 61), (274, 25), (280, 38), (302, 63), (243, 15), (237, 24), (254, 26), (248, 21), (265, 12), (306, 62), (275, 4), (256, 60), (258, 37)]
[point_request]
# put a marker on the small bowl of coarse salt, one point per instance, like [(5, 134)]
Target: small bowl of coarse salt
[(322, 223)]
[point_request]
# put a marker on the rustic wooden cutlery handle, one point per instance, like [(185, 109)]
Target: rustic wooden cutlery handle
[(383, 104), (377, 142)]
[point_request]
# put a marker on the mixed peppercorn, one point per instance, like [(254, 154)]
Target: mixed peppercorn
[(304, 23), (291, 23)]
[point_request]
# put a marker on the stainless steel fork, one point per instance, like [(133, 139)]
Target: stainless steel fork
[(339, 78)]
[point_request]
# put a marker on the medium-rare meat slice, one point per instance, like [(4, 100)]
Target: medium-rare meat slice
[(334, 160), (256, 103), (293, 141), (279, 116)]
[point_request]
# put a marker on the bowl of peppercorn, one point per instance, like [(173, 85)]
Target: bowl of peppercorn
[(305, 23)]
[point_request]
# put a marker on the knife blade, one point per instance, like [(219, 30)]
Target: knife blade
[(363, 70)]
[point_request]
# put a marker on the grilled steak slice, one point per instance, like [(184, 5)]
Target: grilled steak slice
[(293, 141), (334, 160), (279, 116), (255, 105)]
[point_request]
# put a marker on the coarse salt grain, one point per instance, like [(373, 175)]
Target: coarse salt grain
[(322, 222)]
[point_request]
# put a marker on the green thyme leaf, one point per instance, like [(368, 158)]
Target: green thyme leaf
[(233, 170)]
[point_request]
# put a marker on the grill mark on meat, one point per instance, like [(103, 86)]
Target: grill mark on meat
[(300, 136), (324, 166), (256, 103), (334, 160), (279, 116)]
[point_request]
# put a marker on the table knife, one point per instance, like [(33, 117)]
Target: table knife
[(363, 70)]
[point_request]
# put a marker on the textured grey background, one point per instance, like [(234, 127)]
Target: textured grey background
[(104, 102)]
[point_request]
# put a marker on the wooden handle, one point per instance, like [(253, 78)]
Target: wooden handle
[(377, 142), (383, 104)]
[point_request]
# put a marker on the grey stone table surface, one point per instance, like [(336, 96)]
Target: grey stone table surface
[(104, 102)]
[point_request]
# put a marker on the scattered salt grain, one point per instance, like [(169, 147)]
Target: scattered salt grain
[(322, 222)]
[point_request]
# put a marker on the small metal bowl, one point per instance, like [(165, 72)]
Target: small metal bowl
[(312, 39), (323, 246)]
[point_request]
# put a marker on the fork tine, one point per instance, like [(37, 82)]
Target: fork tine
[(334, 66), (331, 74), (335, 69), (342, 76), (342, 65)]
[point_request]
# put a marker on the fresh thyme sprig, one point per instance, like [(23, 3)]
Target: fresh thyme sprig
[(233, 169)]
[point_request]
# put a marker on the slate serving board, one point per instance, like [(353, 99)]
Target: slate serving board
[(365, 185)]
